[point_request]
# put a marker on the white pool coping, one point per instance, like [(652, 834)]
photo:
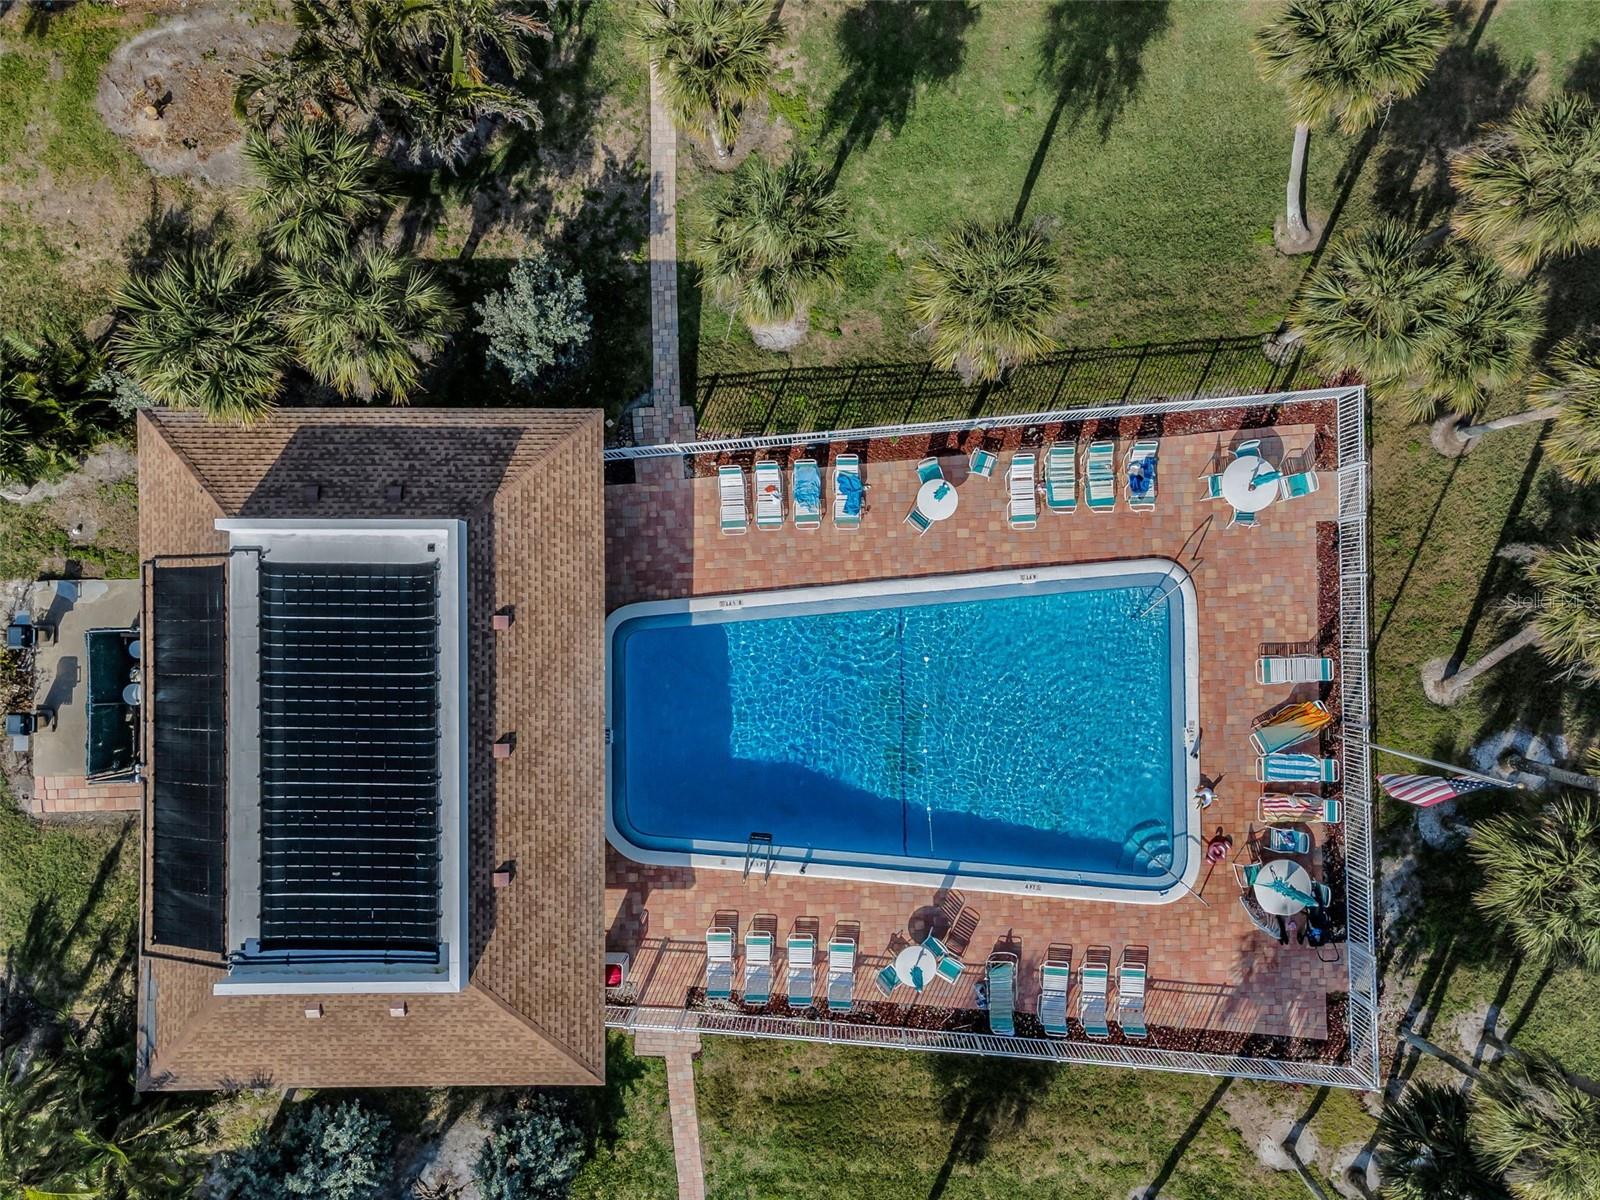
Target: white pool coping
[(922, 872)]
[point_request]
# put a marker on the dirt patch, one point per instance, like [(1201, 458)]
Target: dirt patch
[(169, 91), (109, 464)]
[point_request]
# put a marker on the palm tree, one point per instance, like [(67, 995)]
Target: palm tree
[(1373, 304), (1541, 1130), (987, 296), (1530, 189), (712, 56), (1486, 338), (1562, 620), (366, 322), (1424, 1152), (200, 334), (1344, 61), (53, 403), (1541, 878), (1567, 391), (316, 183), (40, 1153), (776, 242)]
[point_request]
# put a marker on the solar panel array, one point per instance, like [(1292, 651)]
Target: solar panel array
[(349, 756), (189, 782)]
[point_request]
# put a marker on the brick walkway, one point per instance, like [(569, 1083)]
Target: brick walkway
[(75, 794), (665, 419), (1209, 968), (679, 1050)]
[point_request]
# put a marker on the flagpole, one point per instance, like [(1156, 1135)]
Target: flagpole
[(1444, 766)]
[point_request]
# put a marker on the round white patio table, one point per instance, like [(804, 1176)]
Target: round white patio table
[(1239, 487), (1292, 875), (937, 499), (913, 963)]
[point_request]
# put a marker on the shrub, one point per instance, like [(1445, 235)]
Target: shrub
[(323, 1152), (537, 324), (532, 1155)]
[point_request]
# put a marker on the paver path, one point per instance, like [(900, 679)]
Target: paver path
[(679, 1050), (664, 419)]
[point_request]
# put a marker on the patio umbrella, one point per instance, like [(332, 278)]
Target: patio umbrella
[(1284, 888)]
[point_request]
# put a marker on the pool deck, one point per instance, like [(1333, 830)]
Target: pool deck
[(1210, 969)]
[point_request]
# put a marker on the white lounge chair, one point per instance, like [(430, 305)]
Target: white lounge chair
[(758, 969), (1061, 477), (1298, 808), (841, 975), (1003, 993), (1100, 477), (982, 463), (1293, 668), (1142, 457), (802, 970), (1092, 991), (1130, 992), (735, 506), (769, 495), (807, 483), (1296, 768), (719, 963), (1301, 483), (1022, 508), (1055, 986), (846, 465)]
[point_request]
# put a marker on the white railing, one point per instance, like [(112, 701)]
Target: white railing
[(1109, 412), (1362, 1069)]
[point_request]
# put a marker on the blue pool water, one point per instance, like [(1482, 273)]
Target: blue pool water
[(1034, 735)]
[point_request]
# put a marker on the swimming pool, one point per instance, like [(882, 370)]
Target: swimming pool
[(1004, 731)]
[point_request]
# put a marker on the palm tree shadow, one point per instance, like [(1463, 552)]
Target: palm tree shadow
[(983, 1097), (890, 52), (1175, 1155)]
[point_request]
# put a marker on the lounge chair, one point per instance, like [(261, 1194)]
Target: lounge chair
[(841, 975), (982, 463), (719, 963), (1061, 477), (847, 466), (758, 969), (1142, 455), (1002, 974), (807, 483), (802, 970), (919, 520), (1244, 520), (1055, 985), (1287, 841), (1130, 993), (1293, 668), (1244, 874), (1301, 483), (1250, 449), (735, 506), (1259, 917), (950, 967), (769, 495), (1296, 768), (1100, 477), (1290, 727), (1022, 509), (928, 469), (1300, 807), (1213, 486), (1094, 981), (887, 980)]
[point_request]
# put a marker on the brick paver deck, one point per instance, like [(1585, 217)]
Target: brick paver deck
[(56, 794), (1209, 968)]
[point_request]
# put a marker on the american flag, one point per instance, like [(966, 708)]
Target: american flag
[(1424, 791)]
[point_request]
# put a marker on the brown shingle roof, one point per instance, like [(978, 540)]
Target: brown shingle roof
[(528, 485)]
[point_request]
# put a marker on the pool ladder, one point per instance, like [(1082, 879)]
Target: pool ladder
[(759, 850)]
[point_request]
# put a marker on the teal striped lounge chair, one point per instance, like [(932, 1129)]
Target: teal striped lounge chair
[(1296, 768), (806, 481), (1313, 810), (1290, 727), (1293, 668), (950, 967), (1130, 992), (982, 463), (758, 969), (1287, 841), (1022, 505), (769, 495), (731, 494), (928, 469), (802, 970), (1100, 477), (1301, 483), (1055, 986), (1061, 477), (845, 464), (1003, 994), (1138, 453), (841, 975), (719, 963), (1093, 985)]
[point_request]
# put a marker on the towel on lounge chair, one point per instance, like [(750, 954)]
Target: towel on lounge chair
[(808, 489), (850, 489)]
